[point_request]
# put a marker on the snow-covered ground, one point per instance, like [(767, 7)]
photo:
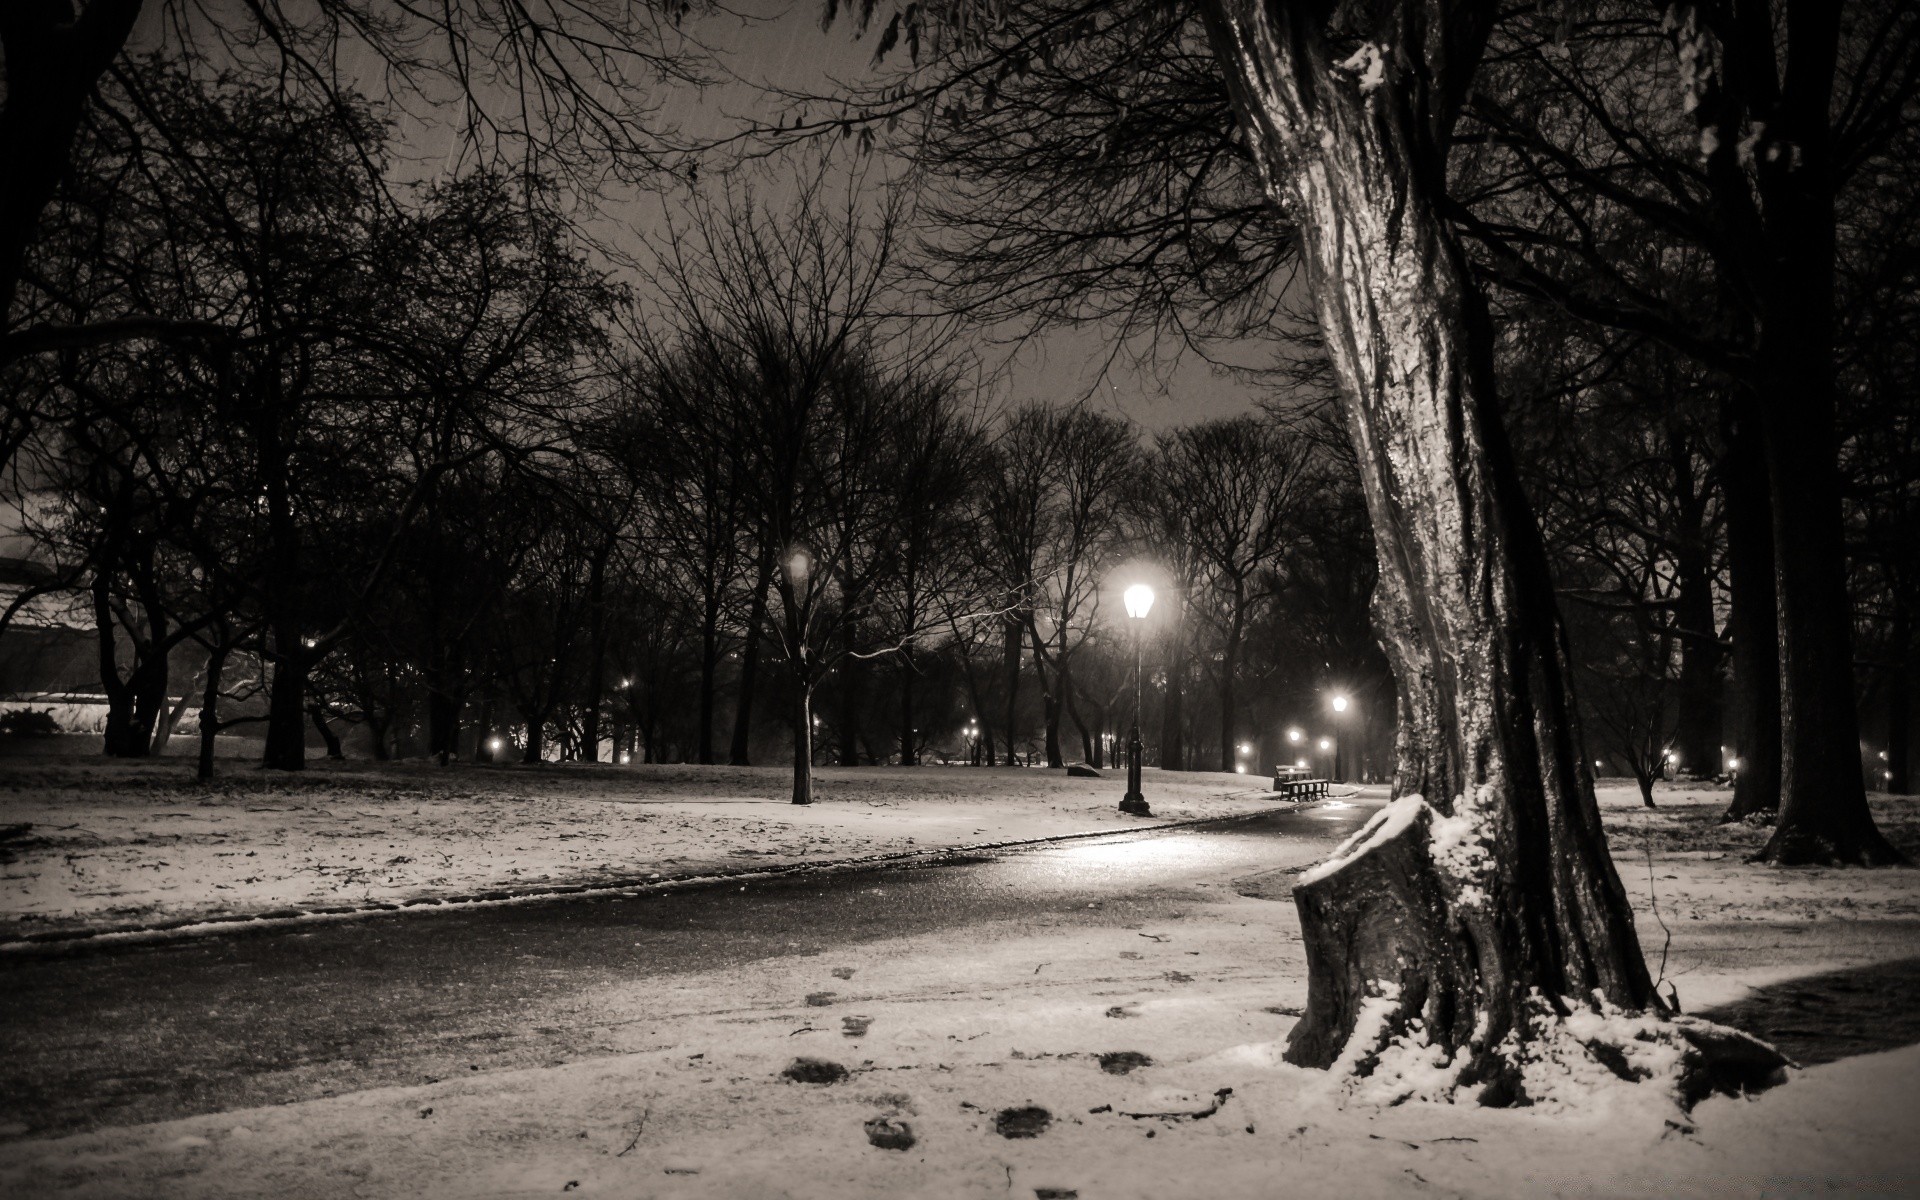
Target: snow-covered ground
[(123, 844), (956, 1040)]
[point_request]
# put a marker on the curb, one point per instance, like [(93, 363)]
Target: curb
[(186, 927)]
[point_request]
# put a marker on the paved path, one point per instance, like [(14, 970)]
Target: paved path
[(110, 1035)]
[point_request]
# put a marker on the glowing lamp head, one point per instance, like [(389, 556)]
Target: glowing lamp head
[(1326, 743), (1299, 762), (799, 565), (1139, 601), (1339, 704), (1733, 764)]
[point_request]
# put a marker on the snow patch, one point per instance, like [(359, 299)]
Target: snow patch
[(1410, 1067), (1369, 1028), (1392, 819), (1368, 65), (1462, 855), (1562, 1069)]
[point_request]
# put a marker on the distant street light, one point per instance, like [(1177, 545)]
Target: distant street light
[(1294, 736), (1326, 743), (1339, 704), (1139, 601)]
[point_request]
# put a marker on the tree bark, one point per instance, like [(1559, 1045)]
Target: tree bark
[(1900, 703), (802, 743), (740, 753), (597, 659), (54, 59), (909, 736), (1697, 736), (1229, 672), (1172, 729), (1519, 900), (319, 717), (1823, 804), (1049, 699), (1752, 619), (709, 669), (210, 708), (286, 748), (1010, 664)]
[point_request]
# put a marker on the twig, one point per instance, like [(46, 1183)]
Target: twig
[(1653, 902), (635, 1139)]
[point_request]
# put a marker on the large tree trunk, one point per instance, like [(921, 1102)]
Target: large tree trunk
[(332, 740), (54, 59), (1049, 700), (1229, 677), (1752, 618), (210, 707), (850, 671), (802, 743), (1823, 804), (1172, 716), (1481, 905), (286, 748), (909, 733), (1010, 664), (709, 669), (740, 753), (597, 660), (1900, 702), (1697, 736)]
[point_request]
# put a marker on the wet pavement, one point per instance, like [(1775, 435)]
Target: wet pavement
[(109, 1034)]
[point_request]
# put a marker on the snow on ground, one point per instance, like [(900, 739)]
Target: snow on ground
[(954, 1038), (117, 844)]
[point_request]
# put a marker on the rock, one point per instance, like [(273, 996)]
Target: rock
[(820, 999), (1083, 771), (1167, 1102), (1120, 1062), (890, 1133), (845, 972), (855, 1027), (814, 1070), (1028, 1122)]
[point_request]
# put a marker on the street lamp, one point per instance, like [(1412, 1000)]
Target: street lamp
[(1139, 602), (1295, 736), (1339, 703)]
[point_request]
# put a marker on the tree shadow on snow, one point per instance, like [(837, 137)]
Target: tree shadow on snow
[(1823, 1018)]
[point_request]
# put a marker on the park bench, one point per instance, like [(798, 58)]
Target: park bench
[(1294, 783)]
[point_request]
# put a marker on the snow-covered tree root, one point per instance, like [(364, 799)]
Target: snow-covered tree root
[(1412, 994)]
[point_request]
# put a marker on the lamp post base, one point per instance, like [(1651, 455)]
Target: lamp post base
[(1134, 803)]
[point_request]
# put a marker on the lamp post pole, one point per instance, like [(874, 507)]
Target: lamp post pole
[(1139, 600), (1339, 703)]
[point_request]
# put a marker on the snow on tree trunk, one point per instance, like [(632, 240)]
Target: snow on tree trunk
[(1480, 930)]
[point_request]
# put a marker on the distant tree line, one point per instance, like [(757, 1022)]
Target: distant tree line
[(1694, 283), (407, 462)]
